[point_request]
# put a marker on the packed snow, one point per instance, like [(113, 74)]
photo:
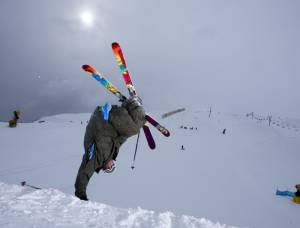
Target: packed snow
[(217, 179), (22, 207)]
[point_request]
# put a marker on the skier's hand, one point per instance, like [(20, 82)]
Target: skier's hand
[(132, 102), (109, 164)]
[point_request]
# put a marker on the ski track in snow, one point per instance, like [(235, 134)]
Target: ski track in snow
[(23, 207)]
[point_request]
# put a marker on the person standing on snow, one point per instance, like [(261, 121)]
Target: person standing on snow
[(108, 128)]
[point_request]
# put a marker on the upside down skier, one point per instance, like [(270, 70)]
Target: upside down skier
[(108, 128)]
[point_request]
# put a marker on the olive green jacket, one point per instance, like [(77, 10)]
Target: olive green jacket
[(108, 136)]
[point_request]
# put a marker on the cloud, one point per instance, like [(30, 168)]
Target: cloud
[(192, 53)]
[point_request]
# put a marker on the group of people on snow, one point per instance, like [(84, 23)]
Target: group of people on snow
[(190, 128)]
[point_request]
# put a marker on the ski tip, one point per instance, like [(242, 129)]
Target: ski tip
[(152, 147), (165, 132), (115, 44), (88, 68)]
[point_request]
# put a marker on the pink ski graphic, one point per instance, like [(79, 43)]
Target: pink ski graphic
[(121, 63)]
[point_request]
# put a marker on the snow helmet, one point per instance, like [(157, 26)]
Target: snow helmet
[(297, 186)]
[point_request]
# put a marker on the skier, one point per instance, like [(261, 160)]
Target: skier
[(108, 128), (224, 131), (13, 122)]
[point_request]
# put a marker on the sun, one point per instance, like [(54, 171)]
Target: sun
[(87, 18)]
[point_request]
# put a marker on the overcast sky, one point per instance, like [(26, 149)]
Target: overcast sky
[(233, 55)]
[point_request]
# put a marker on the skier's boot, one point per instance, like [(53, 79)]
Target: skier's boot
[(81, 196)]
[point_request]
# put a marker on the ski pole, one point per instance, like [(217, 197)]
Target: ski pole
[(136, 146), (23, 183)]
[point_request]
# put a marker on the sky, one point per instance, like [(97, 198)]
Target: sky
[(234, 56)]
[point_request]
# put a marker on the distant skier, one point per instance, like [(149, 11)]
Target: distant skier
[(108, 128), (182, 147), (13, 122), (294, 195), (224, 131)]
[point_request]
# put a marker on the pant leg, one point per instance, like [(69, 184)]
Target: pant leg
[(85, 172)]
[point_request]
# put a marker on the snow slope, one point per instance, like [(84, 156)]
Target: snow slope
[(21, 207), (229, 178)]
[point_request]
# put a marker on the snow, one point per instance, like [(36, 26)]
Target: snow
[(22, 207), (218, 179)]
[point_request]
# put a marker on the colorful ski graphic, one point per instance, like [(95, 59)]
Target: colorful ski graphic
[(121, 63), (103, 81)]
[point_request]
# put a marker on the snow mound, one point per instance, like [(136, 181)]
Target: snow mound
[(23, 207)]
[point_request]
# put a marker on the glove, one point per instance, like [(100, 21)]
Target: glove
[(132, 102)]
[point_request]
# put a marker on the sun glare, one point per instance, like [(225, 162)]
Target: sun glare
[(87, 18)]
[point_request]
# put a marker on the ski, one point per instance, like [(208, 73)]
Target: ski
[(159, 127), (121, 63), (113, 89), (103, 81), (149, 137), (132, 92)]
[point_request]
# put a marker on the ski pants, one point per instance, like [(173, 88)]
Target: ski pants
[(85, 172)]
